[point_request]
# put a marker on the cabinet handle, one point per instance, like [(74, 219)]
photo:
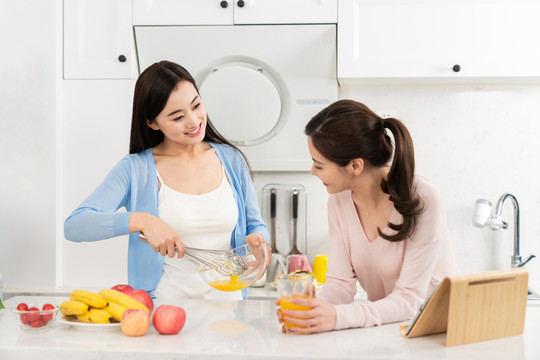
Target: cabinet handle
[(224, 4), (122, 58), (456, 68), (241, 3)]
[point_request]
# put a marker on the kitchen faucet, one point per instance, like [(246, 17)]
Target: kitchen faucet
[(481, 218)]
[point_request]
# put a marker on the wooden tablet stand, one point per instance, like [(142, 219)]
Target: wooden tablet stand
[(475, 307)]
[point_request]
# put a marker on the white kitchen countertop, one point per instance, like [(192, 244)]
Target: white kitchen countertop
[(247, 329), (257, 293), (254, 293)]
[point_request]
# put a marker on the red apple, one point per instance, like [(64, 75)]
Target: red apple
[(143, 297), (169, 319), (135, 322), (124, 288)]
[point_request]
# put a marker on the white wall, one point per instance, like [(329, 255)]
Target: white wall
[(96, 126), (28, 147), (472, 141)]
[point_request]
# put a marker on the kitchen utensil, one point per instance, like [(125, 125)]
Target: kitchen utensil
[(293, 286), (277, 263), (297, 262), (273, 193), (294, 249), (255, 262), (225, 262), (320, 265)]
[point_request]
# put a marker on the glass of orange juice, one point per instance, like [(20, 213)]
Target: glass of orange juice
[(291, 286)]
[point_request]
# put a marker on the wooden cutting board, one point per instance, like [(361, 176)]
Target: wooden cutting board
[(475, 307)]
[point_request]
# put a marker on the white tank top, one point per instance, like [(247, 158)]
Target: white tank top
[(203, 221)]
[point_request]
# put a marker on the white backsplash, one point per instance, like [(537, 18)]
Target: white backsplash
[(472, 142)]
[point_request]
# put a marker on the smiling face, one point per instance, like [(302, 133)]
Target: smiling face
[(183, 119), (336, 178)]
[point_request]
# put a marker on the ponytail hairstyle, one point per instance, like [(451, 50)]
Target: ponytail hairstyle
[(152, 90), (348, 130)]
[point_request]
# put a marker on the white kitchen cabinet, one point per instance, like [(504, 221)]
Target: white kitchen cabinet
[(229, 12), (438, 41), (98, 39), (95, 136)]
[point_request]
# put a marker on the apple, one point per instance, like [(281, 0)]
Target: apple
[(124, 288), (135, 322), (169, 319), (143, 297)]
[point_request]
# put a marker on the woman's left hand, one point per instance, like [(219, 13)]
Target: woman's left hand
[(255, 240), (322, 316)]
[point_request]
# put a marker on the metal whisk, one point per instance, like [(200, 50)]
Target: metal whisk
[(225, 262)]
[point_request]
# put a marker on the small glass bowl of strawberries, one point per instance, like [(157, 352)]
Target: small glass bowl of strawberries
[(36, 317)]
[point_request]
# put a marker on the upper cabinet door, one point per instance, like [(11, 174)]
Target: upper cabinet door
[(285, 12), (183, 12), (438, 41), (98, 40), (230, 12)]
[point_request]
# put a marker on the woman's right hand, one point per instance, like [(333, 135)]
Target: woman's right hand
[(158, 234)]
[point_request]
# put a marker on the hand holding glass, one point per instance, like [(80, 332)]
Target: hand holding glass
[(294, 286)]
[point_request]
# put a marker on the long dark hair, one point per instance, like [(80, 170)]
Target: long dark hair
[(152, 91), (347, 130)]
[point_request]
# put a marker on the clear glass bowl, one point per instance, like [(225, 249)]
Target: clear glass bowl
[(37, 319), (255, 261)]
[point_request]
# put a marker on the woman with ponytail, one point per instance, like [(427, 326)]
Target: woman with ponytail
[(387, 225)]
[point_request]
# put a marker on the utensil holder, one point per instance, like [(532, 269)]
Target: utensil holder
[(284, 216)]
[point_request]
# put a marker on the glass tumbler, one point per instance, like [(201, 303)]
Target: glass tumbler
[(294, 286)]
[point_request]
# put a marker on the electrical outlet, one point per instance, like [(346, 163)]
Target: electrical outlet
[(385, 114)]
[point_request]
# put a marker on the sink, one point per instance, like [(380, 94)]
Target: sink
[(532, 295)]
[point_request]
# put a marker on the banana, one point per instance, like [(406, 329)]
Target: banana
[(73, 308), (91, 299), (95, 316), (115, 310), (126, 301)]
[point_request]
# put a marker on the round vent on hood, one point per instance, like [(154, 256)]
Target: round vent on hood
[(245, 99)]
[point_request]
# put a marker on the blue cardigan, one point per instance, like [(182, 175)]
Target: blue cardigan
[(132, 184)]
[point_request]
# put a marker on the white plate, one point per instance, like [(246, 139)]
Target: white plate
[(87, 326)]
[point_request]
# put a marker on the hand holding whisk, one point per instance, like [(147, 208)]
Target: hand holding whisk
[(225, 262)]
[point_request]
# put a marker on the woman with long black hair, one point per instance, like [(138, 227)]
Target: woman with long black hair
[(182, 184)]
